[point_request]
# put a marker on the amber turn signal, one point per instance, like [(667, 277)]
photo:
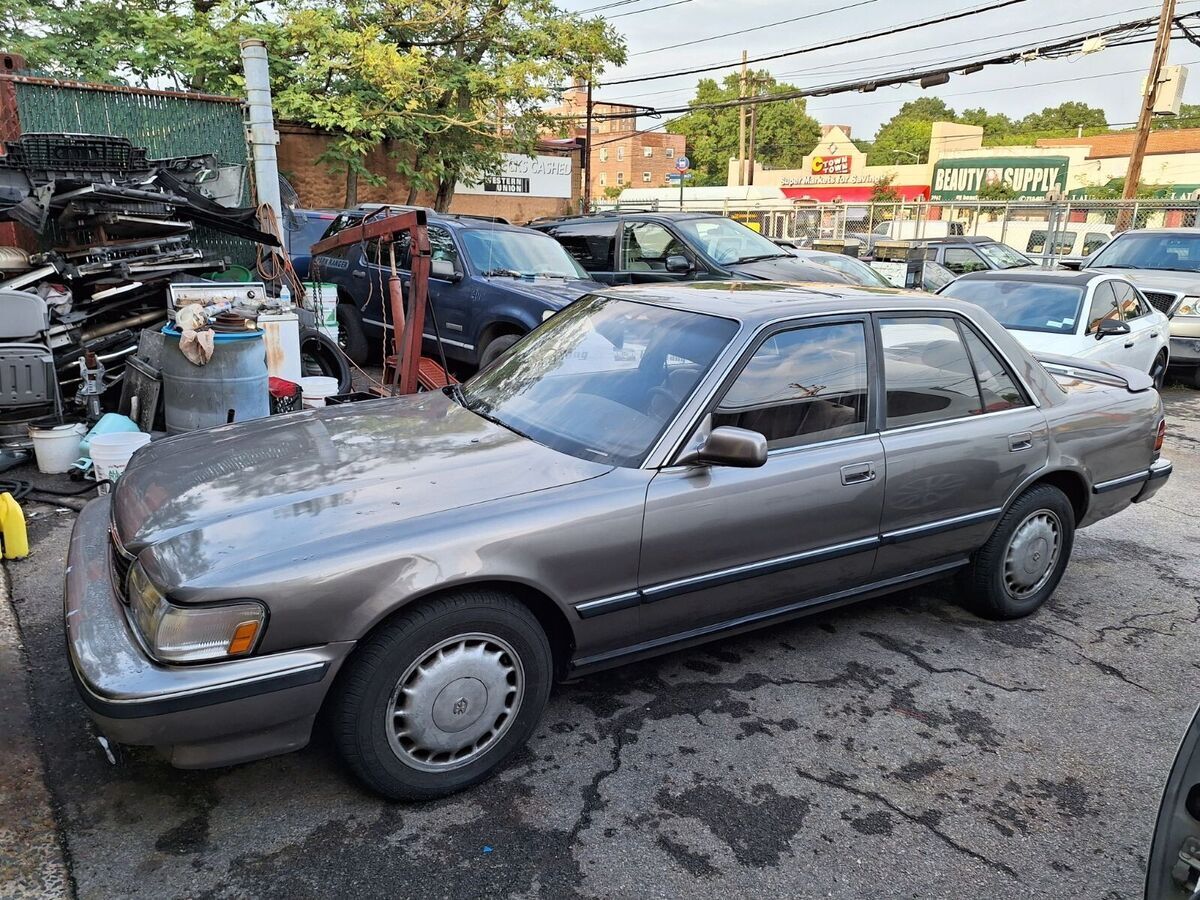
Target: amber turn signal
[(1161, 433), (243, 638)]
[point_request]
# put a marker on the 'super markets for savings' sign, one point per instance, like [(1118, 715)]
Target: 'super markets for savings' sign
[(1028, 176)]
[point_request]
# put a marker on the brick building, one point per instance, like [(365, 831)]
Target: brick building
[(620, 156)]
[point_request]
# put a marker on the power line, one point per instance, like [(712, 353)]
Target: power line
[(965, 66), (841, 42), (855, 67), (648, 9), (725, 34)]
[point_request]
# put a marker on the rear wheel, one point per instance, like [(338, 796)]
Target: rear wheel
[(319, 355), (1020, 566), (351, 336), (1158, 371), (439, 698)]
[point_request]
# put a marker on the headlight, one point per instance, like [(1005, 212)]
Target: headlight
[(180, 634), (1189, 306)]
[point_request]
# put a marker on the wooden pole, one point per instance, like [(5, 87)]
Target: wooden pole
[(587, 153), (753, 135), (1133, 175), (741, 172)]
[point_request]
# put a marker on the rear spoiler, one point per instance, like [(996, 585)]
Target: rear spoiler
[(1133, 380)]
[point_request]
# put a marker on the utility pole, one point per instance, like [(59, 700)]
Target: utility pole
[(1133, 175), (587, 153), (753, 133), (741, 175)]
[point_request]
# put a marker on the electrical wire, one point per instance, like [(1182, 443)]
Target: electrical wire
[(841, 42), (648, 9)]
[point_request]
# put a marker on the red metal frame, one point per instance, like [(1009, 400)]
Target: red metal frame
[(407, 331)]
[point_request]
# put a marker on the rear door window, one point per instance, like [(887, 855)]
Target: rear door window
[(591, 244), (927, 372), (997, 388)]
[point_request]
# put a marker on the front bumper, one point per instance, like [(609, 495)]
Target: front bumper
[(1185, 351), (213, 714)]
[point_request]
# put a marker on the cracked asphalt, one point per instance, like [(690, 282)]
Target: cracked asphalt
[(898, 748)]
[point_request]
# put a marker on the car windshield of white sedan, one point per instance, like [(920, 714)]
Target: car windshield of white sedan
[(518, 254), (1173, 251), (1004, 256), (602, 379), (1023, 305), (725, 241)]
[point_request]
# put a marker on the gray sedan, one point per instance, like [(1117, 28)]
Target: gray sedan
[(649, 469)]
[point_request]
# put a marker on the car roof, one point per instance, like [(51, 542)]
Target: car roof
[(952, 239), (762, 302), (460, 220), (1179, 230), (1056, 276), (627, 214)]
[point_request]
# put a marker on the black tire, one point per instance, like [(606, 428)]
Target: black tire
[(495, 347), (352, 338), (1158, 371), (1000, 588), (366, 700), (319, 355)]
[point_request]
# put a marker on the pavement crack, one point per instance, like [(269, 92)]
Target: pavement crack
[(1126, 624), (1115, 673), (924, 822), (592, 800), (920, 662)]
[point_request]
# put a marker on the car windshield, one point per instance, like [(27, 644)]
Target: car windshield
[(518, 254), (1023, 305), (1003, 256), (602, 379), (725, 241), (1175, 251), (858, 271)]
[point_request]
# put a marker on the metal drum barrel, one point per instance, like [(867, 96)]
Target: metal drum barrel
[(231, 387)]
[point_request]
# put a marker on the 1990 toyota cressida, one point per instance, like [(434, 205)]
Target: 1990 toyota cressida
[(649, 469)]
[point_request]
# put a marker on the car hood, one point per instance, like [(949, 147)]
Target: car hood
[(786, 268), (555, 292), (216, 498), (1159, 279)]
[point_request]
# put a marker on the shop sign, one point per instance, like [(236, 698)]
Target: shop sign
[(1028, 176), (531, 176), (831, 165)]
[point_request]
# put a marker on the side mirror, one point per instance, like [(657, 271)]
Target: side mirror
[(444, 269), (729, 446), (678, 264), (1111, 327)]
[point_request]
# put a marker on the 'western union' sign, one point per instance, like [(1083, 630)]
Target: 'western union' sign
[(1028, 176)]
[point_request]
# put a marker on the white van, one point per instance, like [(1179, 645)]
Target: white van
[(906, 229), (1071, 239)]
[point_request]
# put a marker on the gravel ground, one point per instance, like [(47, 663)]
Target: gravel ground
[(898, 748)]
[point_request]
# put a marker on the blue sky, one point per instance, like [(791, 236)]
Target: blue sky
[(1109, 79)]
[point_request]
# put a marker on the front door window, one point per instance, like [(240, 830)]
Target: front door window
[(645, 247)]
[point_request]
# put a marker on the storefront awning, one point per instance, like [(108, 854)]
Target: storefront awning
[(854, 193)]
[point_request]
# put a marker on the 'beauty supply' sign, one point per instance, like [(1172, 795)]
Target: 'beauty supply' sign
[(1028, 176)]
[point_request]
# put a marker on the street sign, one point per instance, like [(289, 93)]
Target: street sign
[(683, 164)]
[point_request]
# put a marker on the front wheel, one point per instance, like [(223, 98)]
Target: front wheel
[(1020, 566), (439, 698), (495, 347)]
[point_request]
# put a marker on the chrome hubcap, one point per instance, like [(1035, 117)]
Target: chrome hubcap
[(1032, 554), (455, 702)]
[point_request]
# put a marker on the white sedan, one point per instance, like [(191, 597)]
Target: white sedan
[(1091, 315)]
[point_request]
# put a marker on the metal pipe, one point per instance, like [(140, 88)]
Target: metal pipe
[(260, 122), (113, 327)]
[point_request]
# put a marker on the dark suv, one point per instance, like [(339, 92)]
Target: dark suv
[(642, 248), (490, 283), (970, 253)]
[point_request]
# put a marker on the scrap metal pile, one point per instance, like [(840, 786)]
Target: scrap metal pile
[(113, 228)]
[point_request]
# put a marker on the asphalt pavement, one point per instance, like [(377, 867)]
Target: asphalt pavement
[(897, 748)]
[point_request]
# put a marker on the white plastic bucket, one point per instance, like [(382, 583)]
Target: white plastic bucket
[(316, 388), (111, 453), (56, 448)]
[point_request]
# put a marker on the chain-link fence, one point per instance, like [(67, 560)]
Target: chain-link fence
[(1043, 230)]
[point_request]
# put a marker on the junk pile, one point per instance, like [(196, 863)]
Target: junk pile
[(116, 231)]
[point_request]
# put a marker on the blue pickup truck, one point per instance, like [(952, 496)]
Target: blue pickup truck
[(490, 283)]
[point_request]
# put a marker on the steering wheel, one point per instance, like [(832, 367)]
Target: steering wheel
[(657, 393)]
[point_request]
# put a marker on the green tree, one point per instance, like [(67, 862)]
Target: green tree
[(883, 192), (904, 138), (996, 190), (784, 135), (1065, 117), (1189, 117), (994, 125)]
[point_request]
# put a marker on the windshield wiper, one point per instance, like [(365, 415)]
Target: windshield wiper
[(746, 259), (455, 392), (1120, 266), (474, 406), (553, 275), (510, 273)]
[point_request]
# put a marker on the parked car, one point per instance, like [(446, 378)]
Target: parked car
[(970, 254), (1165, 264), (1173, 864), (490, 283), (1091, 315), (653, 248), (305, 227), (933, 275), (649, 469)]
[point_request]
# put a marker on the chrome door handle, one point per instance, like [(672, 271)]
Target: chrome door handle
[(359, 273), (1022, 440), (1154, 334), (857, 473), (1128, 345)]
